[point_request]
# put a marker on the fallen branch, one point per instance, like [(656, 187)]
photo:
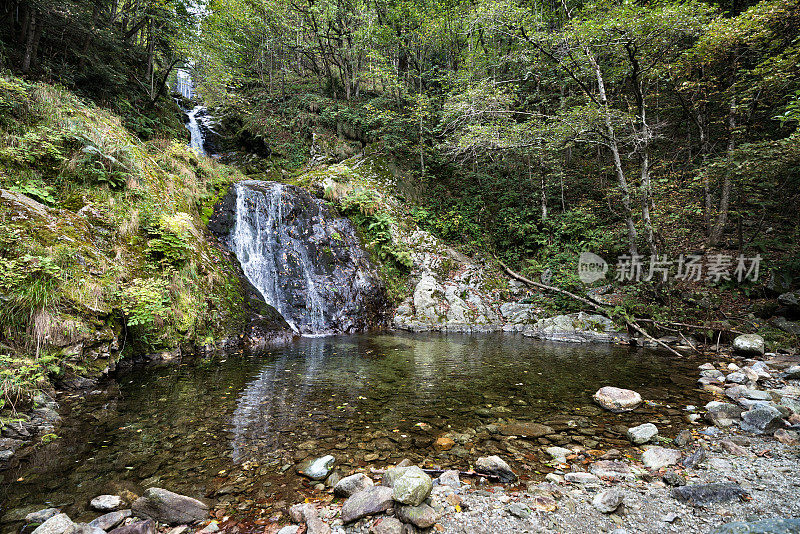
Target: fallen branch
[(595, 306), (664, 324)]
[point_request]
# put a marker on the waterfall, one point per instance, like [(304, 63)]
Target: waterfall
[(197, 142), (305, 262)]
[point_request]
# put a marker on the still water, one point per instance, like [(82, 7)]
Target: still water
[(230, 427)]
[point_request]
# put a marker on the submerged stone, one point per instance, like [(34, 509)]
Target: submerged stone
[(316, 468), (617, 399)]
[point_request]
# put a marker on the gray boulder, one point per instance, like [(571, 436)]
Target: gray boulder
[(106, 503), (167, 507), (722, 414), (110, 520), (352, 484), (369, 501), (778, 525), (421, 516), (642, 433), (494, 465), (655, 458), (58, 524), (791, 300), (749, 345), (761, 419), (700, 494), (140, 527), (37, 518), (608, 501), (617, 400), (792, 373), (412, 487)]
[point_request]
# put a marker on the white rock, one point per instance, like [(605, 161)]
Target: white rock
[(617, 399), (642, 433), (106, 503), (655, 458)]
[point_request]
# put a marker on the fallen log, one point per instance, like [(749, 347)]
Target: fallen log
[(595, 306)]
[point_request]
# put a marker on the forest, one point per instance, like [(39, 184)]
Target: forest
[(366, 233)]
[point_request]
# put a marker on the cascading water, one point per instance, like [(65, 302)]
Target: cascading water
[(197, 140), (305, 262)]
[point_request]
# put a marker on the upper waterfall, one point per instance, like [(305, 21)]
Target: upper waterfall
[(307, 263)]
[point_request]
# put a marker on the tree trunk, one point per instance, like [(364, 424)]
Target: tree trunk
[(725, 195), (29, 42), (622, 182)]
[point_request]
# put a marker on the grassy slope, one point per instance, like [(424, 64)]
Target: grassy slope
[(107, 252)]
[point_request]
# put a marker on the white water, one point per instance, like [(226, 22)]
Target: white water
[(196, 142)]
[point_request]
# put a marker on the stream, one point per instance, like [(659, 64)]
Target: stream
[(230, 427)]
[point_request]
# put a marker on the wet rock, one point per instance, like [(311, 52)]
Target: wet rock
[(683, 438), (316, 468), (761, 419), (581, 477), (58, 524), (494, 465), (722, 414), (106, 503), (412, 487), (764, 526), (612, 470), (608, 501), (792, 373), (737, 377), (755, 394), (140, 527), (749, 345), (643, 433), (698, 494), (525, 430), (450, 478), (387, 525), (167, 507), (368, 501), (443, 444), (421, 516), (657, 457), (577, 328), (37, 518), (559, 454), (352, 484), (8, 447), (617, 400), (110, 520)]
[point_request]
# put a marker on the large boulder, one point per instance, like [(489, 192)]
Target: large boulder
[(577, 328), (749, 345), (700, 494), (167, 507), (617, 400), (655, 458), (762, 419), (412, 487), (642, 434), (791, 300), (496, 466), (369, 501), (58, 524), (352, 484), (723, 414)]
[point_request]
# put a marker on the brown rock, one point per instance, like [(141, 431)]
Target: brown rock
[(787, 437), (369, 501), (525, 430), (443, 444), (732, 448)]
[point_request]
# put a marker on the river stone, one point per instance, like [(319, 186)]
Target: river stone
[(736, 377), (761, 419), (369, 501), (421, 516), (494, 465), (612, 470), (352, 484), (37, 518), (412, 487), (655, 458), (617, 400), (167, 507), (699, 494), (756, 394), (642, 433), (140, 527), (316, 468), (749, 345), (58, 524), (525, 430), (387, 525), (83, 528), (110, 520), (581, 477), (777, 525), (450, 478), (106, 503), (792, 373), (443, 444), (722, 414), (608, 501)]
